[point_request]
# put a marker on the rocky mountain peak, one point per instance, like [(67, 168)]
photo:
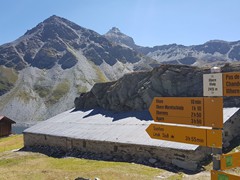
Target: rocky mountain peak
[(116, 36), (58, 41), (114, 30), (54, 27), (53, 18), (54, 62)]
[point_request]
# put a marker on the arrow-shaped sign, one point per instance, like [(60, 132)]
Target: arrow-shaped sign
[(199, 136)]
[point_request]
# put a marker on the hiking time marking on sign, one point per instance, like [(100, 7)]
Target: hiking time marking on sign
[(198, 136), (188, 110)]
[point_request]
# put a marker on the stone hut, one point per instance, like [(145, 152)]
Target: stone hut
[(5, 126), (122, 136)]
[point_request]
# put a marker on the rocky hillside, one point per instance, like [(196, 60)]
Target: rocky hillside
[(215, 52), (210, 53), (135, 91), (44, 70)]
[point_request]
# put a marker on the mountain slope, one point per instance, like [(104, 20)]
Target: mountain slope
[(54, 41), (54, 62), (210, 53)]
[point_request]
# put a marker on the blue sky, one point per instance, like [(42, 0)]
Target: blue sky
[(149, 22)]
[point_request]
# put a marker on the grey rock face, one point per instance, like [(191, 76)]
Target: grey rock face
[(116, 36), (135, 91), (152, 160), (211, 53), (55, 40)]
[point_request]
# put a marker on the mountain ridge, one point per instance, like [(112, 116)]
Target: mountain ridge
[(213, 52), (55, 61), (43, 71)]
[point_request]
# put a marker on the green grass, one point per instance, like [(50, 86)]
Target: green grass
[(9, 73), (25, 96), (23, 165), (71, 50), (58, 92), (81, 89), (26, 165), (50, 52), (8, 77), (11, 142), (178, 176), (42, 90), (20, 165), (100, 75)]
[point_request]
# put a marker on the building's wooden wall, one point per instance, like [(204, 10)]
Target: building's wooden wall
[(5, 129)]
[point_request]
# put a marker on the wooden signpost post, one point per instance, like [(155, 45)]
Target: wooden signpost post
[(195, 112)]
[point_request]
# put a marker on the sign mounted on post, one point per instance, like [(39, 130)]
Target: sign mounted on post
[(212, 84), (219, 175), (185, 110), (231, 84), (230, 160), (198, 136)]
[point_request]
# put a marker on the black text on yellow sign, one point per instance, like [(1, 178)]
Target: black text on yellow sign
[(188, 110), (231, 84), (198, 136)]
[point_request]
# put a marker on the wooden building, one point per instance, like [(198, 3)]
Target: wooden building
[(5, 126)]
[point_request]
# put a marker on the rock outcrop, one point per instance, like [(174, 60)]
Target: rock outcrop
[(135, 91), (116, 36)]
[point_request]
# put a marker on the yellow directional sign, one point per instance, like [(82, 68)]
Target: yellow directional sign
[(213, 112), (198, 136), (231, 84), (188, 110), (230, 160), (219, 175)]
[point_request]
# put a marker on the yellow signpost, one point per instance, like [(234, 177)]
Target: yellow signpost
[(188, 110), (231, 84), (199, 111), (198, 136), (219, 175), (222, 84), (230, 160)]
